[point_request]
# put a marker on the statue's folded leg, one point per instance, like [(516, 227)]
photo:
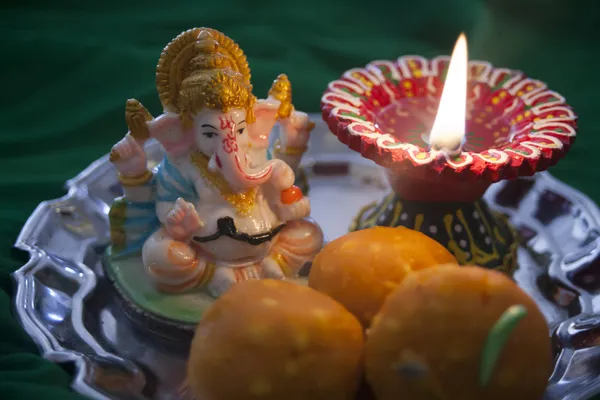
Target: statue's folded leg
[(175, 266), (224, 277), (297, 243)]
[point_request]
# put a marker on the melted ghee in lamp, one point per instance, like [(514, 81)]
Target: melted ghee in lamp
[(409, 120)]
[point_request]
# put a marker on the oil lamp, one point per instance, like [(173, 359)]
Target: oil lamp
[(446, 129)]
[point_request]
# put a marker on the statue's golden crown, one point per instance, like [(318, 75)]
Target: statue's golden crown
[(198, 51)]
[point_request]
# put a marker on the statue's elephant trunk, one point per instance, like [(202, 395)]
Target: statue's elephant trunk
[(231, 160)]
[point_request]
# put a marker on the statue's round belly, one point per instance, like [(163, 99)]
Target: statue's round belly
[(234, 252), (229, 237)]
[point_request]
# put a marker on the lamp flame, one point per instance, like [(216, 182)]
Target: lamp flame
[(448, 131)]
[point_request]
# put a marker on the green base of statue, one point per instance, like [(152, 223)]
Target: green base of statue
[(166, 316)]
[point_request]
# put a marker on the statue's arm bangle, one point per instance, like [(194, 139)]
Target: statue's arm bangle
[(135, 181), (207, 275)]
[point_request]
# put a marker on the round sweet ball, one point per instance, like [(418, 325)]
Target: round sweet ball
[(269, 339), (459, 334), (361, 268)]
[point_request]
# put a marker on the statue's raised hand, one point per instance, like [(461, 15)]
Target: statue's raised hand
[(129, 157), (183, 220), (297, 209), (296, 130)]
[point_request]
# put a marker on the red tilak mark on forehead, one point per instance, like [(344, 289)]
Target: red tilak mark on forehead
[(227, 123), (229, 141)]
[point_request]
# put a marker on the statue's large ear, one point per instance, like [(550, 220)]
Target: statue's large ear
[(265, 112), (168, 130)]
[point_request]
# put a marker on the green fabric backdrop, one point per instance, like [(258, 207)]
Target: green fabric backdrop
[(68, 68)]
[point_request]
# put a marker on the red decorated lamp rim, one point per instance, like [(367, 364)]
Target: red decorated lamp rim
[(546, 124)]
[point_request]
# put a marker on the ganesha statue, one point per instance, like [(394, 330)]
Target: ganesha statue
[(222, 206)]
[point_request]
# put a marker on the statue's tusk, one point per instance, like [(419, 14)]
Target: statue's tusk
[(213, 163)]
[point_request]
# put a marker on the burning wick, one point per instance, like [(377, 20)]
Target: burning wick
[(448, 131)]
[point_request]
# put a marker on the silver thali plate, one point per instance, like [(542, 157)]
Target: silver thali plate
[(66, 304)]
